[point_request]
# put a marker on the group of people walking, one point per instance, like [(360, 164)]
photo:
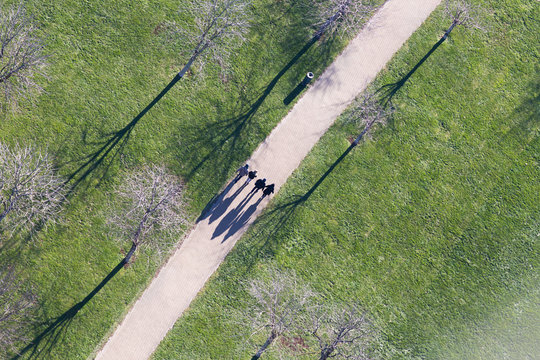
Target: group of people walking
[(260, 184)]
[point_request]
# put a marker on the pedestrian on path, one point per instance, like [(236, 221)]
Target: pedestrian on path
[(259, 185), (251, 175), (243, 171), (269, 189)]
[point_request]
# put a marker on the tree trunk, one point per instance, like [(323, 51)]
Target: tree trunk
[(187, 66), (359, 137), (7, 208), (326, 352), (454, 23), (267, 343), (130, 253), (322, 29)]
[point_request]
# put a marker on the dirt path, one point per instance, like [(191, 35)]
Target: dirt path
[(186, 272)]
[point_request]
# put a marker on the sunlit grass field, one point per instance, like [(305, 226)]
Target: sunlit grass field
[(109, 59), (432, 224)]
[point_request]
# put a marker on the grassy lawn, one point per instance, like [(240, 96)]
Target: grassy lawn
[(432, 225), (108, 62)]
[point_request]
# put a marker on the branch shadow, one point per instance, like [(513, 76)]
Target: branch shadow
[(13, 241), (234, 127), (116, 141), (528, 114), (387, 91), (41, 346), (270, 223)]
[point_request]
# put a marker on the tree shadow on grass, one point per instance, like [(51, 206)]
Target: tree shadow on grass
[(14, 241), (43, 344), (527, 127), (232, 128), (9, 243), (114, 143), (387, 92), (269, 224), (227, 141)]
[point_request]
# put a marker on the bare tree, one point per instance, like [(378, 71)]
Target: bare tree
[(21, 53), (367, 112), (463, 13), (17, 309), (339, 16), (280, 297), (340, 332), (31, 192), (218, 27), (148, 200)]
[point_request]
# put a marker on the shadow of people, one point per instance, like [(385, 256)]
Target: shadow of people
[(224, 205), (116, 141), (41, 346), (215, 202), (231, 216), (241, 220)]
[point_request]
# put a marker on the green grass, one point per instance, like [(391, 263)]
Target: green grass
[(107, 64), (432, 225)]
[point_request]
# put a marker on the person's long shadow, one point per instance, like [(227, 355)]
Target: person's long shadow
[(233, 127), (224, 205), (388, 91), (215, 202), (116, 141), (241, 220), (41, 346), (229, 219)]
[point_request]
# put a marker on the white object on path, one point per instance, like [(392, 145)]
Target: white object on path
[(203, 250)]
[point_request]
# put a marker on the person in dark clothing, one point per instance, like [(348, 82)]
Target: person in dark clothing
[(259, 185), (251, 175), (269, 189), (243, 171)]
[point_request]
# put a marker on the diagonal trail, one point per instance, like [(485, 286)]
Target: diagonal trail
[(203, 250)]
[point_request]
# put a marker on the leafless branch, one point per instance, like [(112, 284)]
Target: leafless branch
[(340, 332), (340, 16), (367, 112), (280, 297), (17, 309), (21, 54), (31, 192), (463, 13), (217, 27), (149, 200)]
